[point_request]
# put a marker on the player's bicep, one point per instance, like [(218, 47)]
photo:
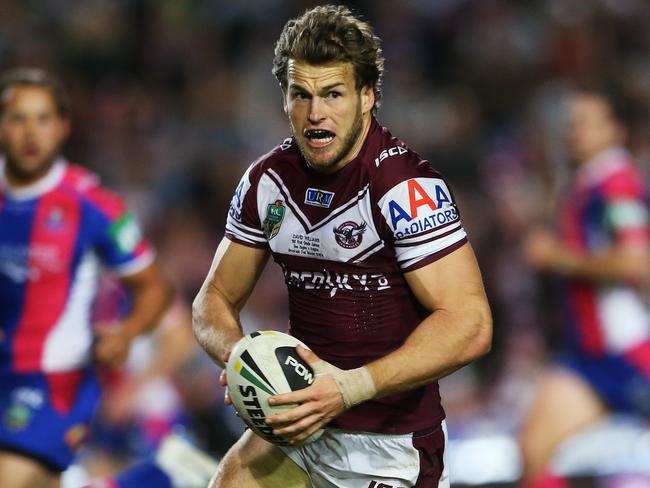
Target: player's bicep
[(451, 283), (235, 270)]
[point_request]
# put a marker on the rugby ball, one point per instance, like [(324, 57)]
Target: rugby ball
[(263, 364)]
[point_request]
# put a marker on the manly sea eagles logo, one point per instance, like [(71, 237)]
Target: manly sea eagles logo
[(273, 220), (349, 234)]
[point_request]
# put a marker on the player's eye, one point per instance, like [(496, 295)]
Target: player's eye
[(299, 95), (334, 94)]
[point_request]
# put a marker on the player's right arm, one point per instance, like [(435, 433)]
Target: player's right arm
[(215, 311)]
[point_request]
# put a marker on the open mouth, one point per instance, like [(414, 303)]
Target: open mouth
[(319, 137)]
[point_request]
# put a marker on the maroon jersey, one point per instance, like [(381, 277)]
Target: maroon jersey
[(344, 241)]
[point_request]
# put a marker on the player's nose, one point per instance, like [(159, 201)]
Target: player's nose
[(316, 110)]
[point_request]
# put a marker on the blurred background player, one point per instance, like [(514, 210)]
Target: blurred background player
[(138, 435), (601, 250), (56, 225)]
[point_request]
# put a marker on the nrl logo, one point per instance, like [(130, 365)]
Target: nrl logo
[(273, 220), (349, 234)]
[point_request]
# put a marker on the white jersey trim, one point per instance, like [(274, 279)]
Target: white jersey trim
[(410, 256), (624, 318), (134, 266), (295, 208), (68, 343), (49, 181)]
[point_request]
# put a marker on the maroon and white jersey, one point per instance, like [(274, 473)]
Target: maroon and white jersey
[(344, 241)]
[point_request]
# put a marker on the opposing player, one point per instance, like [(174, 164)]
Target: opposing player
[(602, 251), (383, 284), (56, 225)]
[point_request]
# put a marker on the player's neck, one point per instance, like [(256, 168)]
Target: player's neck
[(366, 122), (25, 188), (17, 179)]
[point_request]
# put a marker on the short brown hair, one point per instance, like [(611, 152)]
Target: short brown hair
[(38, 78), (329, 34)]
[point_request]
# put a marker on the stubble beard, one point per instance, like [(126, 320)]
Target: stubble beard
[(23, 176), (348, 143)]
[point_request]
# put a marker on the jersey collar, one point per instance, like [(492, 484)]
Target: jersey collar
[(603, 165), (50, 180)]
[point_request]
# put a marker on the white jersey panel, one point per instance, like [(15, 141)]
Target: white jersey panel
[(347, 234), (68, 343), (624, 318)]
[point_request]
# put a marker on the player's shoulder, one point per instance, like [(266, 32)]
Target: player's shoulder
[(391, 162), (86, 185), (276, 160), (624, 180)]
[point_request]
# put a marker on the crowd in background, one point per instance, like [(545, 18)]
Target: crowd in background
[(172, 100)]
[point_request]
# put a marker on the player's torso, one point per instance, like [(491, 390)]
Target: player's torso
[(348, 298), (46, 275), (608, 318)]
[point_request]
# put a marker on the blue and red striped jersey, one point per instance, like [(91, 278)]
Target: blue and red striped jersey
[(54, 234), (608, 206)]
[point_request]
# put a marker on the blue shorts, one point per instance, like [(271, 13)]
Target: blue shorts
[(622, 387), (46, 416)]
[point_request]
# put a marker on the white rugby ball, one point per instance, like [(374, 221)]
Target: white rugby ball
[(263, 364)]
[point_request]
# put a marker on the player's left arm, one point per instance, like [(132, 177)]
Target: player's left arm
[(625, 259), (457, 331), (621, 262), (151, 297)]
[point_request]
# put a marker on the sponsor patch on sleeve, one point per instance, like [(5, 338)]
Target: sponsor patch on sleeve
[(126, 233), (237, 201), (623, 214), (418, 206)]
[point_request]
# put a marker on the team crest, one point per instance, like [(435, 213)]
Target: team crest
[(54, 220), (17, 417), (349, 234), (274, 217)]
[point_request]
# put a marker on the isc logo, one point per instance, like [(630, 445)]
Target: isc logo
[(300, 369), (417, 197), (393, 151)]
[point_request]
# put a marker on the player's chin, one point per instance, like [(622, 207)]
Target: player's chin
[(323, 161)]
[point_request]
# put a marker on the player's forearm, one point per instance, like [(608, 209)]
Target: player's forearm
[(151, 297), (215, 322), (616, 265), (441, 344)]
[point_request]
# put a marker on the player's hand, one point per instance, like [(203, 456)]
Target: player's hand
[(318, 404), (543, 250), (111, 346), (223, 380)]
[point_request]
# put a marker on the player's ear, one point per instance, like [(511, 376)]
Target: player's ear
[(367, 99), (65, 128), (284, 103)]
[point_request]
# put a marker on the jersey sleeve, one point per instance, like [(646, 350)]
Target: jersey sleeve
[(118, 238), (243, 224), (420, 217), (626, 210)]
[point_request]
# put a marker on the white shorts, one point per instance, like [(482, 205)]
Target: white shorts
[(345, 459)]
